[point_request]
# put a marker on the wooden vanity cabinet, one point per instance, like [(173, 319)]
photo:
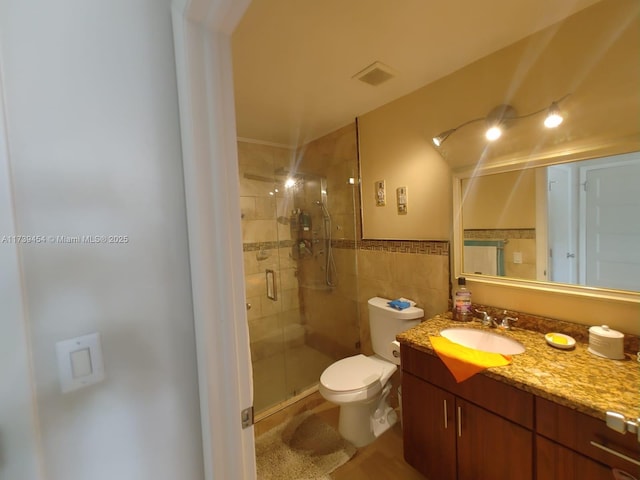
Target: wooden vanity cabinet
[(478, 429), (428, 428), (568, 441)]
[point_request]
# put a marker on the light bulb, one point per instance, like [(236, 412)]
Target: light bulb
[(289, 183), (554, 118), (493, 133), (436, 141)]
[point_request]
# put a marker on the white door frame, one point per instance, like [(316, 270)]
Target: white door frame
[(19, 417), (202, 31)]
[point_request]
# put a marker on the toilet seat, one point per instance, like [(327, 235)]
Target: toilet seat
[(355, 378)]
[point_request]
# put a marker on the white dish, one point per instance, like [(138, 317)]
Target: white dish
[(564, 346)]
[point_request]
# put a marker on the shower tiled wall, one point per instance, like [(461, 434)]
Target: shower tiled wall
[(331, 313)]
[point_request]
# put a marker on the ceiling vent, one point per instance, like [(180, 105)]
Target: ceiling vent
[(375, 74)]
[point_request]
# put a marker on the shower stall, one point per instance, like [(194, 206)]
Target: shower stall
[(294, 251)]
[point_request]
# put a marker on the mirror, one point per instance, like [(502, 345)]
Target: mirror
[(572, 223)]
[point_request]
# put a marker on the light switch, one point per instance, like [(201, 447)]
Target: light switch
[(381, 193), (81, 363), (402, 199), (517, 257)]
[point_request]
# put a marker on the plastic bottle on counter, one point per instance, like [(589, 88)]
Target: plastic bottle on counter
[(462, 302)]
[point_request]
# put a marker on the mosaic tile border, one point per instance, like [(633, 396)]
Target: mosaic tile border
[(526, 233), (257, 246), (425, 247), (428, 247)]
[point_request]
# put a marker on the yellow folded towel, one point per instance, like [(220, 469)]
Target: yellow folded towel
[(464, 362)]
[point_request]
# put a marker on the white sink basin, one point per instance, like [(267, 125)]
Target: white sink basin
[(483, 340)]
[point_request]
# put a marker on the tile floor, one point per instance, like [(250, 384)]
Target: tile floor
[(381, 460)]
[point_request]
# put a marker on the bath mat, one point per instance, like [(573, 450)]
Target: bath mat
[(306, 448)]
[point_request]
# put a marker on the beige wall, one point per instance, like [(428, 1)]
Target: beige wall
[(393, 148), (505, 200)]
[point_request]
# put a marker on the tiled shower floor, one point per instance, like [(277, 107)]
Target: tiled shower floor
[(282, 376)]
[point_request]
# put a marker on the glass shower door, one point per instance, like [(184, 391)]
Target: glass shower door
[(304, 313)]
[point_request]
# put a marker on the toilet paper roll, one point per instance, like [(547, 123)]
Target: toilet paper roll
[(393, 352)]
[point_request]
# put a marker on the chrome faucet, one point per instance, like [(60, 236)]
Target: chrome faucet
[(506, 321), (488, 321)]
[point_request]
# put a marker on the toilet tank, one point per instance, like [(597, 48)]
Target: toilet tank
[(386, 322)]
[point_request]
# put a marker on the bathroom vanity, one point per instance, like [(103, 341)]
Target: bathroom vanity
[(542, 417)]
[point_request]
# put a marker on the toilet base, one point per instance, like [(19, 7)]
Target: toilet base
[(359, 424), (387, 420)]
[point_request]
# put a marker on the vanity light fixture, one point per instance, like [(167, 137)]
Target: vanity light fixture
[(502, 115)]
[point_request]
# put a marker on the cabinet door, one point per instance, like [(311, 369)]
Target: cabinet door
[(490, 447), (428, 427), (555, 462)]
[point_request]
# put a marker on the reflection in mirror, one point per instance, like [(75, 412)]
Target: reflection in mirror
[(573, 223)]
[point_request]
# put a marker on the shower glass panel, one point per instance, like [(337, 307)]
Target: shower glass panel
[(268, 274), (293, 286)]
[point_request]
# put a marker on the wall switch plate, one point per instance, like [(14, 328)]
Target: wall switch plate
[(381, 194), (402, 200), (80, 362), (517, 257)]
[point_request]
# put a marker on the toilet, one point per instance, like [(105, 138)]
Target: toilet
[(360, 384)]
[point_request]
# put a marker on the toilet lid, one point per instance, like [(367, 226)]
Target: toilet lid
[(352, 373)]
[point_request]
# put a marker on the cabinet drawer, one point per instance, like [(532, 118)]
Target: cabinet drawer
[(500, 398), (555, 462), (576, 431)]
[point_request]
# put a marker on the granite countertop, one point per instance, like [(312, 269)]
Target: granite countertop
[(575, 378)]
